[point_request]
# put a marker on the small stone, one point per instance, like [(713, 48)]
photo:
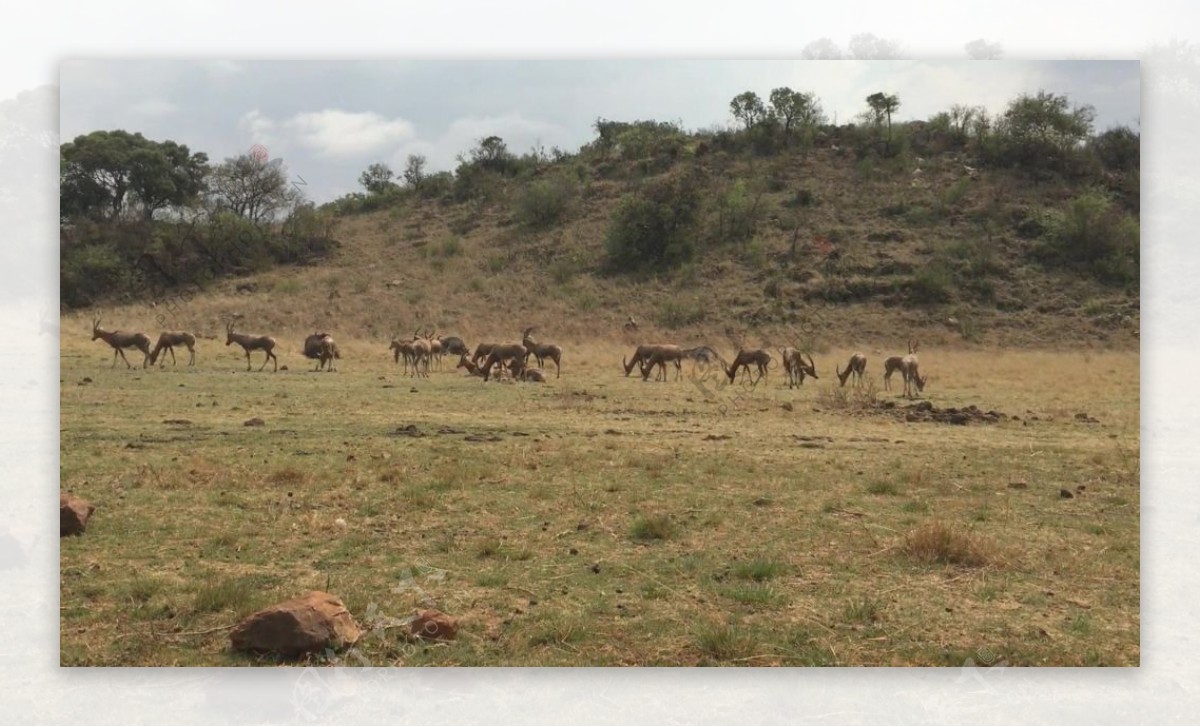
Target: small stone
[(1018, 485), (253, 422), (433, 624), (310, 623), (73, 514), (1065, 494)]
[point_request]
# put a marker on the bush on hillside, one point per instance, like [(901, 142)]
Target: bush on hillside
[(653, 229)]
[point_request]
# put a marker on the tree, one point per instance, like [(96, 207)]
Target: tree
[(104, 174), (1043, 131), (1119, 149), (748, 108), (414, 171), (493, 155), (882, 107), (794, 109), (377, 179), (251, 189)]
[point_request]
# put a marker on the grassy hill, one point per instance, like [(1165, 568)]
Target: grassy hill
[(818, 246)]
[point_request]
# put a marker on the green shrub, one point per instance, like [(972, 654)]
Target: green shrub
[(653, 228), (1093, 234), (545, 202)]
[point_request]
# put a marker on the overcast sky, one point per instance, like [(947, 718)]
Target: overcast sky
[(329, 120)]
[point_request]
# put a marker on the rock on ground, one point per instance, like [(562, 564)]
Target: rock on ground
[(312, 622), (73, 514)]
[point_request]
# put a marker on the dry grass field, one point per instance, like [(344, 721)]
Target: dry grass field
[(604, 520)]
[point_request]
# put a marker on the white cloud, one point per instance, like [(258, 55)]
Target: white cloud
[(333, 132), (257, 127)]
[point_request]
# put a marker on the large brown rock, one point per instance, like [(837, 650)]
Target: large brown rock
[(312, 622), (73, 514)]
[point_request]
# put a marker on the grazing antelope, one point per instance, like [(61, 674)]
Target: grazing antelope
[(644, 352), (542, 351), (482, 351), (909, 367), (757, 356), (856, 366), (121, 340), (320, 346), (471, 368), (168, 340), (795, 367), (660, 359), (896, 363), (266, 344), (500, 353)]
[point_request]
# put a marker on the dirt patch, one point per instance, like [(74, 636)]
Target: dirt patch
[(925, 411)]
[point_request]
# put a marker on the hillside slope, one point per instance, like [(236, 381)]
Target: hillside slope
[(842, 250)]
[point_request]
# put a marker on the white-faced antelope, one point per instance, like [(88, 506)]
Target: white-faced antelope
[(249, 343), (168, 340), (321, 347), (795, 366), (542, 351), (910, 367), (121, 340), (856, 366), (896, 363), (757, 356)]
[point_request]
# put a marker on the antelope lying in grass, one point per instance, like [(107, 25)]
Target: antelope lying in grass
[(472, 369), (644, 353), (121, 340), (757, 356), (168, 340), (502, 353), (522, 373), (266, 344), (856, 366), (795, 367), (542, 351), (320, 346)]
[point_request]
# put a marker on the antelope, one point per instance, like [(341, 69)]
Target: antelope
[(471, 368), (402, 348), (500, 353), (452, 345), (909, 367), (757, 356), (660, 359), (422, 350), (646, 351), (249, 343), (168, 340), (320, 346), (121, 340), (521, 373), (482, 351), (542, 351), (856, 366), (630, 326), (896, 363), (795, 367)]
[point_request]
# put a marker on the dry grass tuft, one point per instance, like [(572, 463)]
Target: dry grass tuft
[(934, 542)]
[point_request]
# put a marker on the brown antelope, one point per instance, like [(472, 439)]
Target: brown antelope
[(472, 369), (266, 344), (909, 367), (482, 351), (453, 345), (856, 366), (795, 367), (542, 351), (501, 353), (896, 363), (168, 340), (660, 359), (643, 353), (121, 340), (320, 346), (422, 351), (757, 356), (401, 348), (521, 372)]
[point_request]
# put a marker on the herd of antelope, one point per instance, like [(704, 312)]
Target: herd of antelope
[(511, 359)]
